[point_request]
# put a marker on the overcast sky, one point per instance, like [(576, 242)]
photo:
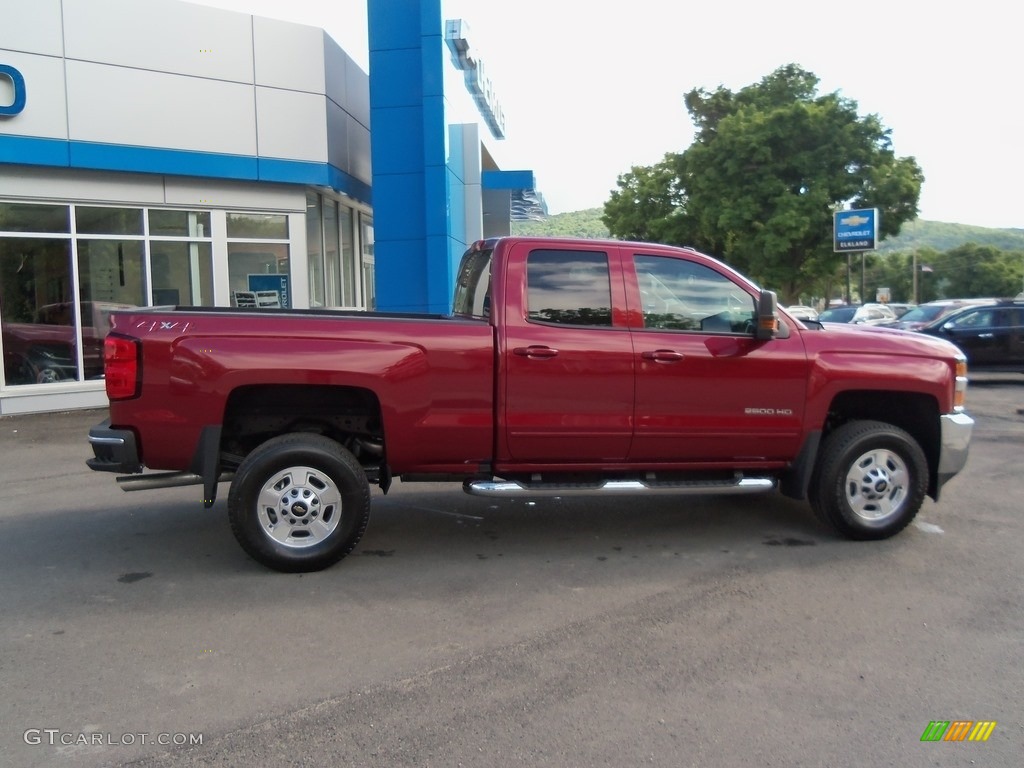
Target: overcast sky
[(588, 93)]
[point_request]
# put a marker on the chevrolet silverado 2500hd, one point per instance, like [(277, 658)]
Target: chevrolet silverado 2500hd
[(566, 367)]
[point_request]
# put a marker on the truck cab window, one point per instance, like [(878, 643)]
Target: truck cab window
[(569, 288), (473, 286), (681, 295)]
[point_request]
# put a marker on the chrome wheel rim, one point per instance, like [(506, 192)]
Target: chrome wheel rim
[(877, 486), (299, 507)]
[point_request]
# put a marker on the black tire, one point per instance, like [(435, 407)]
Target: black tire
[(870, 480), (299, 503)]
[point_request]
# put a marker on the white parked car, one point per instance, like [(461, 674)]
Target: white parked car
[(865, 314), (801, 312)]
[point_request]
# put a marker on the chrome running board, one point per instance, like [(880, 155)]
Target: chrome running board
[(737, 485)]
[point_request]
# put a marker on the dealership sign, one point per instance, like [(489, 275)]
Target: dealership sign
[(855, 230), (481, 87), (16, 103)]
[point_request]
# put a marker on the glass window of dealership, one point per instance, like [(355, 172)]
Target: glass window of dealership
[(138, 170), (64, 266)]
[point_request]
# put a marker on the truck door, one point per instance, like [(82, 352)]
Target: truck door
[(706, 390), (566, 356)]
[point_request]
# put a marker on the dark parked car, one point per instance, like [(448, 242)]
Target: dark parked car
[(991, 336), (923, 314)]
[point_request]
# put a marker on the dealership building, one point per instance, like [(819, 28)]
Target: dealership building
[(168, 153)]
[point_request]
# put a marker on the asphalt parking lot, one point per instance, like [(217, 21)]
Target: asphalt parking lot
[(466, 631)]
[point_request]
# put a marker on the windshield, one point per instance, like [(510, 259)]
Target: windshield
[(473, 287), (924, 314), (837, 315)]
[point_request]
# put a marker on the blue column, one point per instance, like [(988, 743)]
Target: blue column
[(410, 178)]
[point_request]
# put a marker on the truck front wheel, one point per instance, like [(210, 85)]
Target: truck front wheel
[(870, 480), (299, 503)]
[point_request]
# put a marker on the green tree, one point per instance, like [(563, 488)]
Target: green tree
[(980, 270), (895, 271), (769, 166), (649, 205)]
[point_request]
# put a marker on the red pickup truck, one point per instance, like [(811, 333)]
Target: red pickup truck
[(566, 367)]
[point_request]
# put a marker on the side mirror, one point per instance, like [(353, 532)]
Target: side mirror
[(767, 316)]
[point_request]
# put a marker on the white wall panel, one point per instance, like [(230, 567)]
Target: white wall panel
[(152, 109), (45, 115), (31, 26), (162, 35), (337, 136), (357, 93), (336, 63), (45, 402), (279, 114), (359, 151), (92, 186), (242, 195), (288, 55)]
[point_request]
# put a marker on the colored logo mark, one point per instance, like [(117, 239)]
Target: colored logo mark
[(18, 84), (854, 221), (958, 730)]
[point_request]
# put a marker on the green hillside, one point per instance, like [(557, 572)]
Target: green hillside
[(937, 235), (572, 224), (941, 236)]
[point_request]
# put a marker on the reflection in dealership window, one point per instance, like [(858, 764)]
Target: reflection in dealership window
[(110, 275), (258, 268), (36, 306), (31, 217), (182, 273), (108, 221), (179, 223), (258, 226), (315, 251), (368, 262)]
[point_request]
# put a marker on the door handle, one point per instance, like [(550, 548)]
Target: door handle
[(535, 351), (663, 356), (986, 335)]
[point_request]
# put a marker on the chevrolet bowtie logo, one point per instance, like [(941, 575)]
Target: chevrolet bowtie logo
[(854, 221)]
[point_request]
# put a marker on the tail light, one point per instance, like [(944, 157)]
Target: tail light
[(121, 367)]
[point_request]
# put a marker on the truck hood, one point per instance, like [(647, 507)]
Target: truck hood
[(872, 339)]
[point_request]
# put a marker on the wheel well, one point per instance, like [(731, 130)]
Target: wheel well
[(915, 413), (349, 415)]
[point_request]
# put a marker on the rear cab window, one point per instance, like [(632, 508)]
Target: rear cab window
[(569, 288), (473, 285)]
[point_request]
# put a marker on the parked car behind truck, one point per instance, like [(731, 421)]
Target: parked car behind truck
[(859, 314), (566, 367), (990, 335), (925, 314)]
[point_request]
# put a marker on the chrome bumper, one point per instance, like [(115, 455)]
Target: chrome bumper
[(114, 450), (956, 439)]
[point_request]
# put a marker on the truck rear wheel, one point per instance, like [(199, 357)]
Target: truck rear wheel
[(299, 503), (870, 480)]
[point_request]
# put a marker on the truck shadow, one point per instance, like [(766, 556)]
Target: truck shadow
[(563, 527), (419, 539)]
